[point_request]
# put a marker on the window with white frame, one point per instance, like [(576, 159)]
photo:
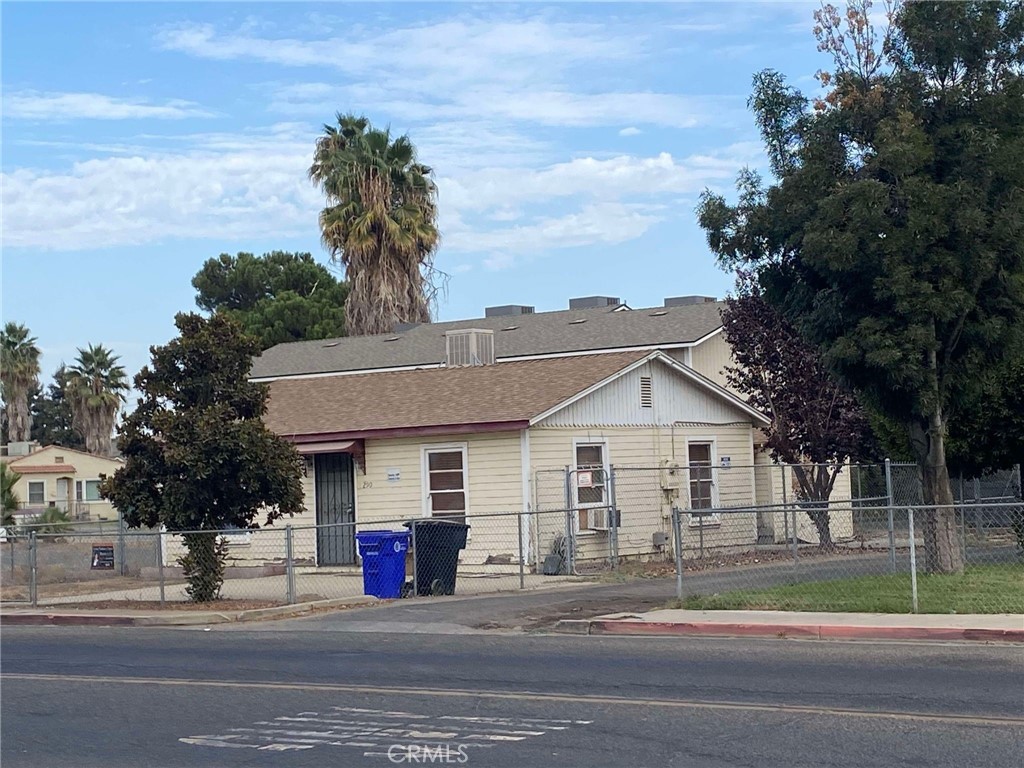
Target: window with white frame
[(702, 481), (87, 490), (446, 476), (591, 481), (36, 491)]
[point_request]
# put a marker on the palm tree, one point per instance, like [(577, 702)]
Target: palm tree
[(95, 389), (379, 223), (19, 373)]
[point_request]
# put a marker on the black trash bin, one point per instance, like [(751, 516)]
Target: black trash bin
[(437, 544)]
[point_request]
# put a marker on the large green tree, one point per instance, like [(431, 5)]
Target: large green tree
[(52, 419), (19, 374), (95, 389), (380, 223), (198, 457), (893, 234), (277, 297)]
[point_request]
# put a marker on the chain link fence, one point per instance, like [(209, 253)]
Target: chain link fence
[(725, 532), (888, 574)]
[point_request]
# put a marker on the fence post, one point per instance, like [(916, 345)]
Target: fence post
[(32, 585), (570, 554), (522, 563), (160, 563), (613, 521), (122, 566), (888, 506), (289, 564), (677, 545), (913, 559), (785, 504), (796, 539), (416, 554)]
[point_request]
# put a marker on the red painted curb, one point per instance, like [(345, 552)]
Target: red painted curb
[(63, 620), (813, 631)]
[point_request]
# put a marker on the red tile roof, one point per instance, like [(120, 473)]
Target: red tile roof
[(44, 469)]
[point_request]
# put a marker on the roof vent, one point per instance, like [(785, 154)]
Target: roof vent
[(591, 302), (686, 301), (469, 346), (508, 309)]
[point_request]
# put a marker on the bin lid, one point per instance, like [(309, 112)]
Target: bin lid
[(381, 535), (419, 522)]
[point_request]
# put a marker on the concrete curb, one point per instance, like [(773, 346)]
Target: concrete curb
[(805, 631), (45, 618)]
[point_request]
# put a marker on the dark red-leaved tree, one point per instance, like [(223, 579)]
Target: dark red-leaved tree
[(816, 424)]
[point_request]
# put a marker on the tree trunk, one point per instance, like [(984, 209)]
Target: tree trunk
[(938, 524), (19, 422), (819, 514)]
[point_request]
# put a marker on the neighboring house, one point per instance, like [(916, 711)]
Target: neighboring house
[(54, 476)]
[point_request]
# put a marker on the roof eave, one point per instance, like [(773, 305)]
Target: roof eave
[(420, 431)]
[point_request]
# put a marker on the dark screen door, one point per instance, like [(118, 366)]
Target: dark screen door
[(335, 509)]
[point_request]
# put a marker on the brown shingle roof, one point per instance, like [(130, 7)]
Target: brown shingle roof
[(489, 394)]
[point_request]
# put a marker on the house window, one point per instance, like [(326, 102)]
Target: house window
[(591, 478), (446, 482), (646, 392), (702, 481), (87, 490), (36, 491)]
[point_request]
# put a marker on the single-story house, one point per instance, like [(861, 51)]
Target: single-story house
[(478, 437), (54, 476)]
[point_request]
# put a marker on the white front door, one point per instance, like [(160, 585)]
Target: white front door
[(63, 491)]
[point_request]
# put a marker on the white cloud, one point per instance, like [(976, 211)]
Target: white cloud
[(630, 131), (35, 105)]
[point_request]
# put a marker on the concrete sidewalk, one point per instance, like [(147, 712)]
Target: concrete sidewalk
[(817, 626), (134, 617)]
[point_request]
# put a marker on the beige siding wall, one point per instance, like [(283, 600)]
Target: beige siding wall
[(711, 357), (637, 454), (495, 485)]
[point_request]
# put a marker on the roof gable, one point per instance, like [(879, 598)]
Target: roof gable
[(680, 394)]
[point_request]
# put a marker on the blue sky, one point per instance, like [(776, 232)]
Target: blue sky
[(570, 144)]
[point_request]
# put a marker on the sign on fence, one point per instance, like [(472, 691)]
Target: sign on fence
[(102, 557)]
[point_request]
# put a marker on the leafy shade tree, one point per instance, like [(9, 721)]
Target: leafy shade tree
[(96, 387), (380, 223), (52, 419), (9, 500), (893, 235), (276, 297), (987, 434), (198, 457), (816, 424), (19, 374)]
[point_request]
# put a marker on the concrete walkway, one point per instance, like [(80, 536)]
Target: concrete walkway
[(819, 626)]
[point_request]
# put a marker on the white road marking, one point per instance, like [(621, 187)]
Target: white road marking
[(374, 730)]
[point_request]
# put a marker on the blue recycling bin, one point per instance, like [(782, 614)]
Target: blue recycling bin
[(383, 556)]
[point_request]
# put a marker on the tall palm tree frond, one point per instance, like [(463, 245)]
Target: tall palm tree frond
[(96, 389), (19, 373)]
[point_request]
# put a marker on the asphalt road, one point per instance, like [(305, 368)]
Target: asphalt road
[(116, 698)]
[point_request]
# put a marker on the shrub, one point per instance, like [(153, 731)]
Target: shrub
[(204, 565)]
